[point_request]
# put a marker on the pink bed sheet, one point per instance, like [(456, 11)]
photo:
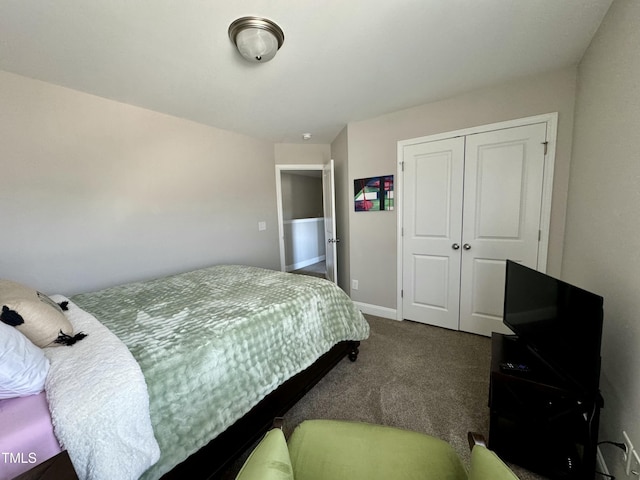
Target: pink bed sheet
[(26, 434)]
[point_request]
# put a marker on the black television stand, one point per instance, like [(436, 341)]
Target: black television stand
[(537, 420)]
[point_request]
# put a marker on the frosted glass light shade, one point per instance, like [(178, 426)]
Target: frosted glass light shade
[(257, 39), (256, 45)]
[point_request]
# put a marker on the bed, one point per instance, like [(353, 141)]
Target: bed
[(27, 432), (220, 351)]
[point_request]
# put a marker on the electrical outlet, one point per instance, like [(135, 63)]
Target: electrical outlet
[(628, 453), (354, 284)]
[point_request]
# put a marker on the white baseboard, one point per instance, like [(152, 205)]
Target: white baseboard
[(376, 310), (305, 263)]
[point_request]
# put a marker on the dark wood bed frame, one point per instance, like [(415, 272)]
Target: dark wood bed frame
[(211, 460)]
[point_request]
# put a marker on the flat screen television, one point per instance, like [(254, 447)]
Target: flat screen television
[(559, 322)]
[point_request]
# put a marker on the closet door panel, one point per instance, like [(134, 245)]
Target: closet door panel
[(432, 224), (430, 282), (498, 201), (502, 203)]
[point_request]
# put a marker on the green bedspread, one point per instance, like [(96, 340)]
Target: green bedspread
[(213, 342)]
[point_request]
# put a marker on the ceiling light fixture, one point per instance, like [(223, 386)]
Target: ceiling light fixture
[(257, 39), (306, 136)]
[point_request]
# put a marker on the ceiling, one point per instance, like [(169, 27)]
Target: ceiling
[(341, 61)]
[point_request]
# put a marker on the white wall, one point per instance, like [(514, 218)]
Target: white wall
[(301, 195), (303, 242), (302, 153), (602, 246), (372, 151), (95, 192)]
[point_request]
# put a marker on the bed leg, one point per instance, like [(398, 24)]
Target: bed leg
[(278, 422), (353, 351)]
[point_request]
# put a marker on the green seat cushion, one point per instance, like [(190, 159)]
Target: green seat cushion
[(337, 450), (486, 465), (269, 460)]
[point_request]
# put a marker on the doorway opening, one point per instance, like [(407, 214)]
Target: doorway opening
[(301, 219)]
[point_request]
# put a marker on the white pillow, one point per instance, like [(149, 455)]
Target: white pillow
[(23, 366)]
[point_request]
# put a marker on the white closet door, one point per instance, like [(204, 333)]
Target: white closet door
[(432, 228), (502, 204)]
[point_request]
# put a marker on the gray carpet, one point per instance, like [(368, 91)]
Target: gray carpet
[(411, 376), (316, 270)]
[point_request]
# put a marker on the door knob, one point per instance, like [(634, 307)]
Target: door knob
[(466, 246), (455, 246)]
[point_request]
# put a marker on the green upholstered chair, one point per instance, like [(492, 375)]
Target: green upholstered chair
[(337, 450)]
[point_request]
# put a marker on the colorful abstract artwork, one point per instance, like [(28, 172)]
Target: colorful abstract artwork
[(373, 194)]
